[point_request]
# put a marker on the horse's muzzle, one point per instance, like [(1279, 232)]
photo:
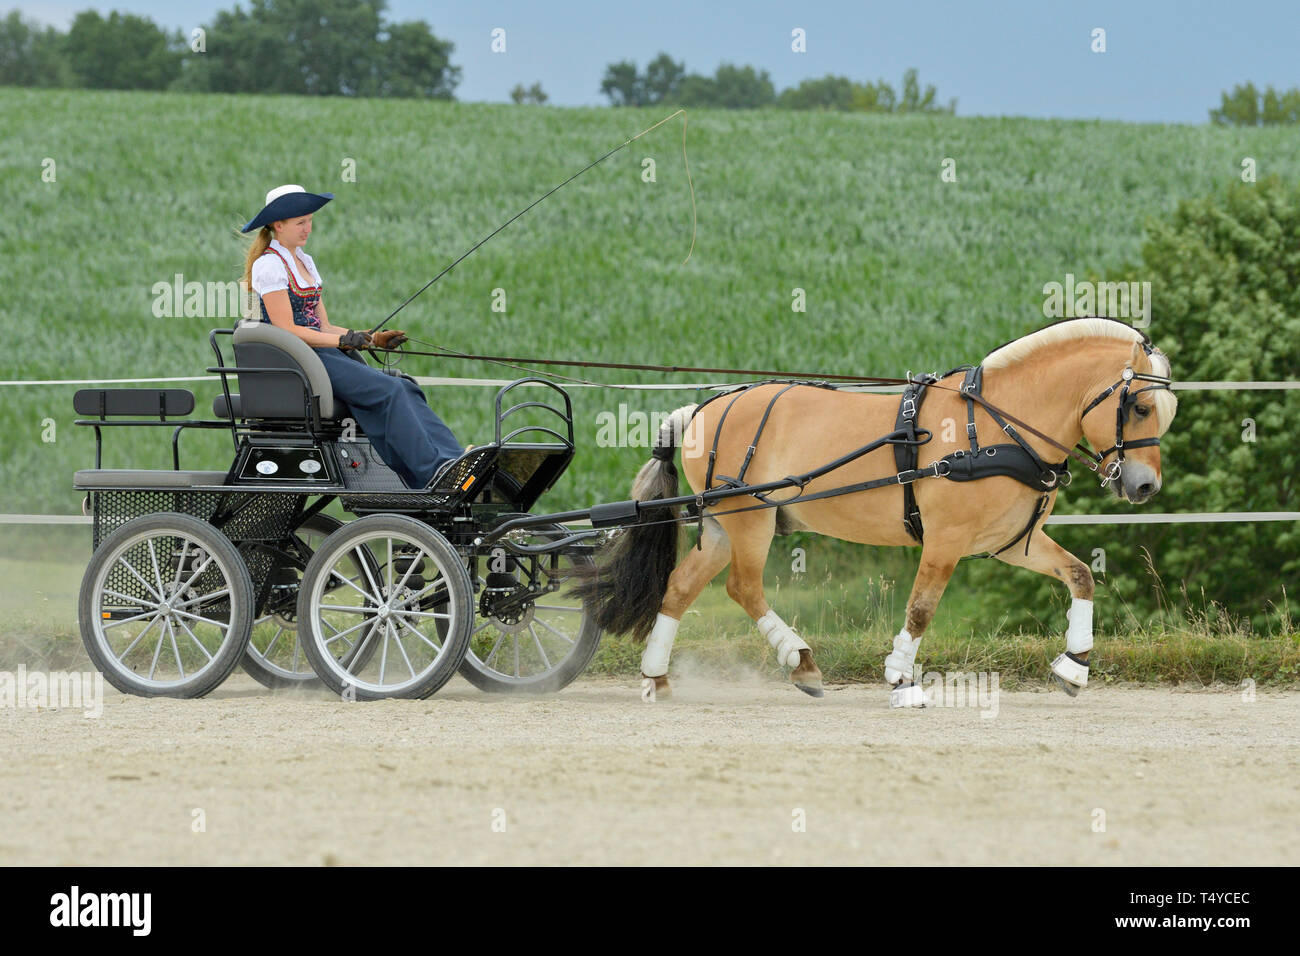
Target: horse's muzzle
[(1137, 483)]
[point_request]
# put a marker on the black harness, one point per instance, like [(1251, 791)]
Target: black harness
[(1015, 459)]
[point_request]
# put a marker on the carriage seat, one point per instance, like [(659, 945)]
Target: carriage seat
[(113, 478), (267, 395)]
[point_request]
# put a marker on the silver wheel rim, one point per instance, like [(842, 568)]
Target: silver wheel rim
[(275, 642), (525, 652), (381, 635), (161, 632)]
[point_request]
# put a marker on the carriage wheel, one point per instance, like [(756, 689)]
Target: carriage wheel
[(380, 637), (166, 606), (533, 645), (275, 657)]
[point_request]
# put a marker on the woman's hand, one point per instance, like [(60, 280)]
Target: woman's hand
[(388, 339), (354, 339)]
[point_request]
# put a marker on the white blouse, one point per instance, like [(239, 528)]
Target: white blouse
[(269, 274)]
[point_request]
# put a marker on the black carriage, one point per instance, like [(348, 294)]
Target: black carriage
[(194, 572)]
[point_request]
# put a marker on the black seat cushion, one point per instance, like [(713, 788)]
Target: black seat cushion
[(219, 405)]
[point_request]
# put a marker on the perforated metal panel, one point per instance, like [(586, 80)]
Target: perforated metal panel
[(245, 517), (453, 487)]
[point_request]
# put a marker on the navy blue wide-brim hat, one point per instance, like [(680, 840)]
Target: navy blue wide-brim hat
[(287, 202)]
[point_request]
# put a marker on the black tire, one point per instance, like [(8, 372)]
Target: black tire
[(288, 665), (131, 585), (358, 669), (535, 671)]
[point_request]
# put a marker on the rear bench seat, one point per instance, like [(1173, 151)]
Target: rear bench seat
[(92, 478)]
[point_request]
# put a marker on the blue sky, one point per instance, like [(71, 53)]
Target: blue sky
[(1166, 61)]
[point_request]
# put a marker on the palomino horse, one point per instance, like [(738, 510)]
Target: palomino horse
[(1066, 381)]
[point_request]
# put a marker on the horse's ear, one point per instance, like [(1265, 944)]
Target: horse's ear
[(1135, 354)]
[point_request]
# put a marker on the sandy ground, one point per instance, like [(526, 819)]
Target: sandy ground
[(724, 772)]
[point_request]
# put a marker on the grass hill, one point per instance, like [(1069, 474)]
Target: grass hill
[(900, 269)]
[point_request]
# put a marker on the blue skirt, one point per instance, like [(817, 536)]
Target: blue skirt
[(396, 417)]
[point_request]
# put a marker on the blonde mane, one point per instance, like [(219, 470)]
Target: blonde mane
[(1165, 403)]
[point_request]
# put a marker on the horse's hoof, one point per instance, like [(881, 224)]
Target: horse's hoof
[(907, 695), (1070, 673), (1065, 685), (662, 689), (807, 677)]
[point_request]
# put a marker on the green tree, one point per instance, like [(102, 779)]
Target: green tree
[(916, 101), (320, 47), (533, 94), (730, 87), (1247, 106), (122, 52), (623, 84), (840, 93), (828, 93), (662, 75), (30, 56), (742, 87), (413, 62)]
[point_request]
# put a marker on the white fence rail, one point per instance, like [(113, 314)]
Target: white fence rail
[(1197, 517)]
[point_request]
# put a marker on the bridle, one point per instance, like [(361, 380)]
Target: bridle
[(1128, 399)]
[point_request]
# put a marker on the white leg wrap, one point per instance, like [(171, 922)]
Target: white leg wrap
[(780, 635), (909, 696), (659, 646), (898, 665), (1079, 637)]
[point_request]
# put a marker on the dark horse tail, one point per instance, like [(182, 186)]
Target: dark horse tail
[(626, 586)]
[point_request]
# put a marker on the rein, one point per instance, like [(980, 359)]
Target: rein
[(1080, 453)]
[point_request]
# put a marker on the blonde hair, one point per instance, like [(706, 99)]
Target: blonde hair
[(260, 242), (257, 245)]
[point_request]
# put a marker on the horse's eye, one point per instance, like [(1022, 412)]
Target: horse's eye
[(1142, 410)]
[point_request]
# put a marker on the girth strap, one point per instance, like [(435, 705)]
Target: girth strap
[(906, 455)]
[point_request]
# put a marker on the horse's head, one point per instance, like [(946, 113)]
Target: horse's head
[(1126, 419)]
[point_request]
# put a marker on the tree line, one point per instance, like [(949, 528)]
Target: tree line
[(348, 48), (1247, 106), (321, 47), (666, 82)]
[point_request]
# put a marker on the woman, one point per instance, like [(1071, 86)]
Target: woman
[(392, 411)]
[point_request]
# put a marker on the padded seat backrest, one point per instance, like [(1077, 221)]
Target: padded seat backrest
[(270, 395)]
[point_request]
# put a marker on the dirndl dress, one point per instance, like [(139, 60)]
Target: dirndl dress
[(392, 411)]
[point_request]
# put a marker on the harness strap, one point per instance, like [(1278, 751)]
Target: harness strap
[(906, 455), (1039, 509), (740, 477), (717, 435), (971, 383)]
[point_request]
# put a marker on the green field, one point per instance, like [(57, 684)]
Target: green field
[(901, 271)]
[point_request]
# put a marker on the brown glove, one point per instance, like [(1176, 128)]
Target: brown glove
[(388, 338), (356, 339)]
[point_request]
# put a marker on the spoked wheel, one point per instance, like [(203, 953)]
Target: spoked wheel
[(166, 606), (380, 637), (275, 656), (529, 638)]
